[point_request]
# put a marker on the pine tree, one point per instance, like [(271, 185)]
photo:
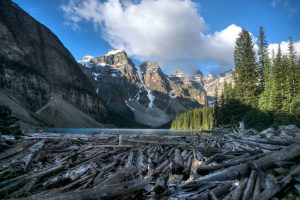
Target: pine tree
[(262, 57), (265, 99), (297, 79), (245, 69), (278, 80), (292, 66), (195, 119), (216, 108), (287, 84)]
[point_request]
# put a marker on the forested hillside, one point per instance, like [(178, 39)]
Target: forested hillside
[(266, 91)]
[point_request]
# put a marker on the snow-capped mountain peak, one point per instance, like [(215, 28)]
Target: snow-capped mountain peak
[(86, 61), (144, 91), (113, 52), (87, 58)]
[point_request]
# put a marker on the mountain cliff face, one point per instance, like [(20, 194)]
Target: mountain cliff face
[(40, 76), (143, 94), (210, 84), (36, 66)]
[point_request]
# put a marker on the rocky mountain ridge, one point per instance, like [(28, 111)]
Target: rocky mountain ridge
[(35, 66), (38, 75), (152, 97), (211, 83)]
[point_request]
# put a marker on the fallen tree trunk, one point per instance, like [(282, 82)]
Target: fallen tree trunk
[(230, 173), (288, 153), (237, 192), (99, 192), (119, 176), (177, 165), (250, 185), (159, 185), (269, 193)]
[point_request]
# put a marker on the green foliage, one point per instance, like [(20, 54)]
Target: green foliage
[(262, 59), (245, 69), (295, 107), (265, 94), (278, 99), (216, 108), (291, 196), (265, 98), (195, 119)]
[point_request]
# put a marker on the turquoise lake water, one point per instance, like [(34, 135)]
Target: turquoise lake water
[(119, 131)]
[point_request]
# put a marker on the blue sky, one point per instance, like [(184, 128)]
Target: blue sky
[(87, 31)]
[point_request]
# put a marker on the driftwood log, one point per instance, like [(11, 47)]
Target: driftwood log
[(224, 165)]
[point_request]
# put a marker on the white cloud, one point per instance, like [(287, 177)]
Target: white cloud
[(171, 32), (284, 48), (162, 30)]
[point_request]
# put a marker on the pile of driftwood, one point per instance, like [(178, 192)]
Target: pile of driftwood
[(232, 165)]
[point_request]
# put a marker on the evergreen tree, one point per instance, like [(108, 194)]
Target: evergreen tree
[(245, 69), (262, 57), (277, 86), (297, 79), (293, 67), (195, 119), (265, 100), (287, 84), (216, 108)]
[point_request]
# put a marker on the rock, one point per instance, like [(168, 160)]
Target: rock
[(34, 65), (186, 88), (143, 94), (210, 83), (115, 80)]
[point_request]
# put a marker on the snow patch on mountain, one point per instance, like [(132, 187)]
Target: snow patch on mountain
[(86, 61), (171, 94), (101, 64), (113, 52), (95, 75), (149, 94), (127, 104)]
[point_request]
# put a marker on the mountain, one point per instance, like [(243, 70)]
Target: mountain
[(58, 111), (35, 66), (46, 86), (210, 83), (142, 94)]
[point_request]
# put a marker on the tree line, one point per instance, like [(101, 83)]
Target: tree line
[(266, 90), (195, 119)]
